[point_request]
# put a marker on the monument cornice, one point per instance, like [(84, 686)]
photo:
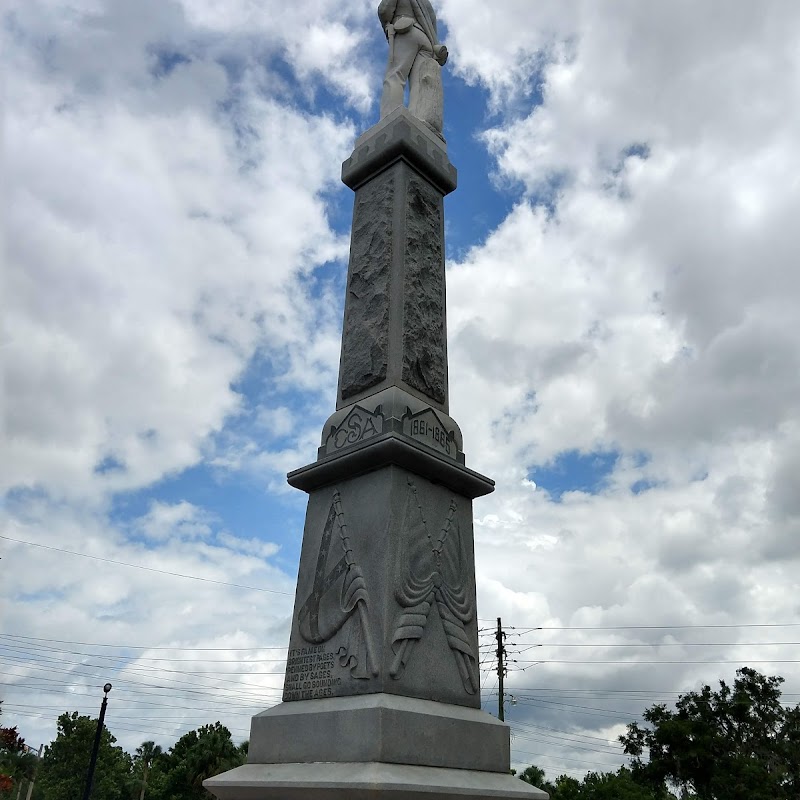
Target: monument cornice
[(400, 137), (392, 449)]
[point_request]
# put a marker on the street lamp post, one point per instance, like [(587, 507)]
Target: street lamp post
[(93, 762)]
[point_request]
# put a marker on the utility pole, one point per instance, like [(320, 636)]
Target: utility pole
[(36, 769), (87, 793), (501, 669)]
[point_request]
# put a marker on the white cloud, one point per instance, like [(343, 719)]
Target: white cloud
[(165, 228), (166, 213), (151, 252), (164, 521), (640, 298)]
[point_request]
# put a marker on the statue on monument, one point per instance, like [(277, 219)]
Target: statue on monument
[(416, 58)]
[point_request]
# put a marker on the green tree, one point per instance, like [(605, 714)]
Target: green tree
[(620, 785), (62, 773), (791, 732), (17, 764), (566, 788), (6, 782), (737, 743), (535, 777), (146, 754), (197, 755)]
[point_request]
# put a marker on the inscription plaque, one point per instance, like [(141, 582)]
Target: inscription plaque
[(311, 673), (426, 427)]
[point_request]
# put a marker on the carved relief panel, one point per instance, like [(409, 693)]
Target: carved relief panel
[(386, 593)]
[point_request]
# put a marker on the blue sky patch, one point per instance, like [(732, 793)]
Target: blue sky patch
[(643, 485), (165, 61), (242, 503), (108, 465), (477, 208), (573, 471)]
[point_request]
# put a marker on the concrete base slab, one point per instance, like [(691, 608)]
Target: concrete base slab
[(359, 781), (380, 728)]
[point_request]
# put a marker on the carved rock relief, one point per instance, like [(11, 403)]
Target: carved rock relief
[(433, 570), (424, 346), (339, 597), (365, 342)]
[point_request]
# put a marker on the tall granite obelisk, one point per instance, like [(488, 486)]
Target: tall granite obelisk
[(382, 695)]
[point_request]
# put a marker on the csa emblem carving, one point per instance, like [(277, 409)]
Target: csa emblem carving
[(358, 426), (436, 572), (338, 596)]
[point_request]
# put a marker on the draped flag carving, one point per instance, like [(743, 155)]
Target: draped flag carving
[(338, 594), (437, 572)]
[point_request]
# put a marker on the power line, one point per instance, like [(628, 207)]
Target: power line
[(148, 569), (644, 692), (555, 741), (592, 710), (148, 730), (136, 667), (663, 644), (657, 627), (566, 733), (201, 689), (133, 701), (566, 741), (678, 661), (564, 758), (142, 646)]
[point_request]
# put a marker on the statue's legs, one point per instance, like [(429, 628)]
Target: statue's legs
[(407, 47), (426, 95)]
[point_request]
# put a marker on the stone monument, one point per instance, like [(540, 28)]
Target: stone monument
[(381, 697)]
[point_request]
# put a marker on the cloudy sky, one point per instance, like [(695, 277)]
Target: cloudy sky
[(623, 284)]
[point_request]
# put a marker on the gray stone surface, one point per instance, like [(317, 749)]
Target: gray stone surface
[(325, 781), (386, 592), (396, 450), (381, 694), (365, 360), (400, 136), (424, 335), (392, 409), (416, 58), (395, 329), (381, 727)]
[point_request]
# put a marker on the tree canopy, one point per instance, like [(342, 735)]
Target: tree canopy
[(62, 773), (199, 754), (736, 743), (16, 763), (620, 785)]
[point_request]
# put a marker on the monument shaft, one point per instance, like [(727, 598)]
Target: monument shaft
[(382, 694), (394, 330), (386, 588)]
